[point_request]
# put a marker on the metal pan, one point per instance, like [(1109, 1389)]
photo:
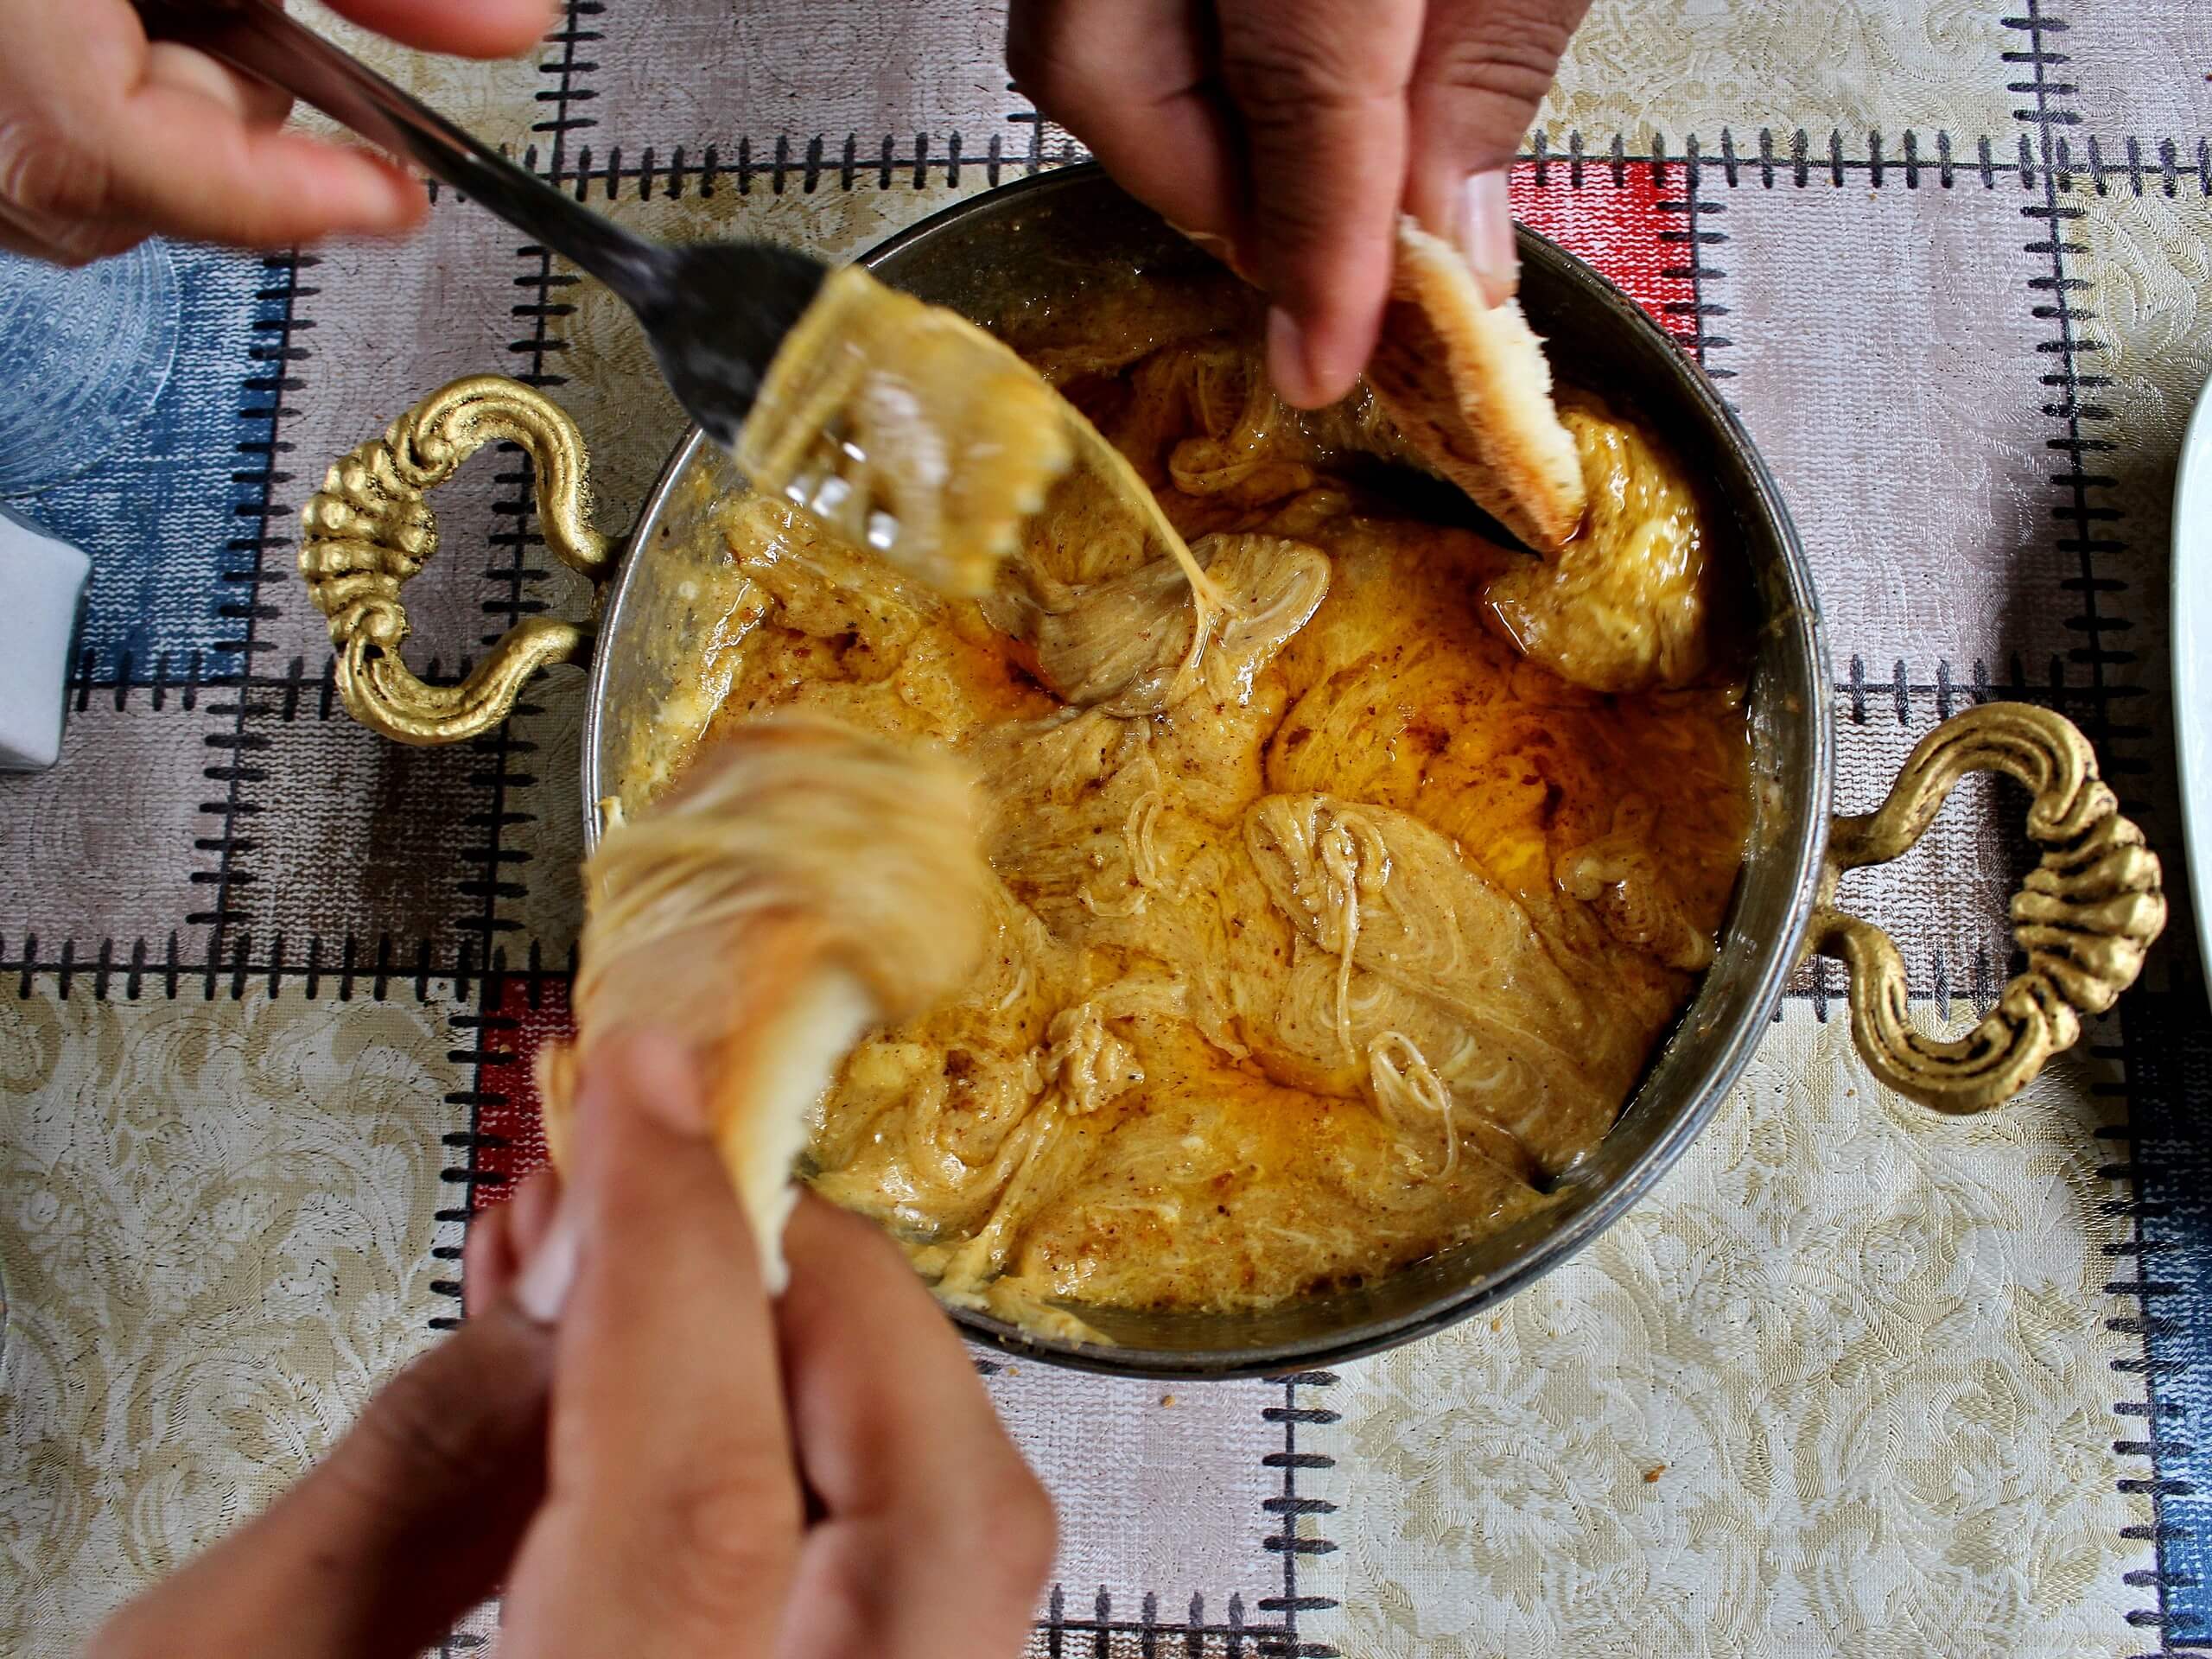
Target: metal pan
[(2083, 919)]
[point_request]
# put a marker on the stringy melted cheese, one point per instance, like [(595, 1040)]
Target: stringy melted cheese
[(1625, 605), (1325, 928)]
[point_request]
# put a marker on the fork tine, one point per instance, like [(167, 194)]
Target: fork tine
[(800, 489), (830, 498), (830, 481)]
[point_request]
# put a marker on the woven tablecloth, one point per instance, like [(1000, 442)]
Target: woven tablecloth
[(1855, 1380)]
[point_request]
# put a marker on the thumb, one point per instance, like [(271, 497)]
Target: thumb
[(672, 1521), (1484, 66), (407, 1524)]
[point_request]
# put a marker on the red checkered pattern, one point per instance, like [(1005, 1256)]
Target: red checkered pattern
[(510, 1133), (1619, 222)]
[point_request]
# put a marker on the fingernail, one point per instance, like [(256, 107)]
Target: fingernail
[(1486, 237), (1288, 364), (1220, 247), (384, 199), (530, 1211), (542, 1287)]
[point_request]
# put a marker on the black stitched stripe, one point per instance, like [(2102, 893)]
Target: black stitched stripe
[(246, 567)]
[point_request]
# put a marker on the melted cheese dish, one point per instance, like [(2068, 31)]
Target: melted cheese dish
[(1338, 898)]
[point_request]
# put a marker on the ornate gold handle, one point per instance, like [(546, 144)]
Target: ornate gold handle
[(2084, 917), (369, 528)]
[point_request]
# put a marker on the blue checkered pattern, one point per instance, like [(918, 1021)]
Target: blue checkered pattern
[(179, 504), (2167, 1265)]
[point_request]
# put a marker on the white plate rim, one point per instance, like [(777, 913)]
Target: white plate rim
[(2192, 656)]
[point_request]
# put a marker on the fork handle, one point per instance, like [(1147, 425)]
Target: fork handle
[(255, 36)]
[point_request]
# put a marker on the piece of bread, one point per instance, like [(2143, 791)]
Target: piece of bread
[(802, 883), (1468, 387)]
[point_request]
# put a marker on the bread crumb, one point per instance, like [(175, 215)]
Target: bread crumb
[(1652, 1474), (1497, 1323), (1013, 1370), (1167, 1399)]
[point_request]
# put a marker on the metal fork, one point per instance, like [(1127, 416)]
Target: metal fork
[(713, 312)]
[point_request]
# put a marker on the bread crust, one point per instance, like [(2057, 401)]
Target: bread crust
[(1468, 386)]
